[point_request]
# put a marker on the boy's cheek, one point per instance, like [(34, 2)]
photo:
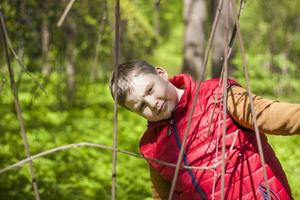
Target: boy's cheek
[(144, 115)]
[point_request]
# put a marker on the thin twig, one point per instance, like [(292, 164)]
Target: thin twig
[(225, 79), (218, 130), (230, 46), (20, 62), (253, 112), (100, 146), (66, 11), (202, 72), (115, 119), (18, 108)]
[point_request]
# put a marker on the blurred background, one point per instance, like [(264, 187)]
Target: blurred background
[(73, 63)]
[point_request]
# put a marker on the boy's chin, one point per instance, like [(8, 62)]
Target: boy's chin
[(159, 119)]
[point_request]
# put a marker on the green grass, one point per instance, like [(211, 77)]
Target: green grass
[(286, 149)]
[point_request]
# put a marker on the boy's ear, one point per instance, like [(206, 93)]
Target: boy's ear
[(162, 72)]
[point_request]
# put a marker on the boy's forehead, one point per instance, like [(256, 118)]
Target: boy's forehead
[(138, 80), (138, 85)]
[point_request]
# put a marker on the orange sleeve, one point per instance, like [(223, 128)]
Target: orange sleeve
[(160, 187), (273, 117)]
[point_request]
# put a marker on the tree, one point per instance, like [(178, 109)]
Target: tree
[(218, 44), (194, 36), (45, 37)]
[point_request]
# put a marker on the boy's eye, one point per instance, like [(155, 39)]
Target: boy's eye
[(150, 90), (142, 107)]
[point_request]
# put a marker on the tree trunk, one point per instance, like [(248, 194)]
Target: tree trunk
[(96, 70), (219, 41), (70, 72), (156, 17), (21, 16), (70, 62), (194, 20), (45, 45)]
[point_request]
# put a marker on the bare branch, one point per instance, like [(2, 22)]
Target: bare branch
[(18, 108), (253, 112), (19, 61), (100, 146), (66, 11), (225, 79), (202, 73)]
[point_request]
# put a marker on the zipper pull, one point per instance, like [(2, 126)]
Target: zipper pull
[(172, 121), (169, 132)]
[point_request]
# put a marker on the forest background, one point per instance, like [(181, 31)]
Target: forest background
[(73, 63)]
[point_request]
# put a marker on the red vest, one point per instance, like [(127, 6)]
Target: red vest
[(243, 168)]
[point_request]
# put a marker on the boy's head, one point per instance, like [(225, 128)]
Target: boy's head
[(145, 90)]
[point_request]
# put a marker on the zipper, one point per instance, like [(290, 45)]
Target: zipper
[(186, 162)]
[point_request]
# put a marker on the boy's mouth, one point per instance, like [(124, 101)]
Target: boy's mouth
[(161, 108)]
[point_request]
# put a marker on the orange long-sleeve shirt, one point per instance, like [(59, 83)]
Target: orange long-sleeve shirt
[(273, 117)]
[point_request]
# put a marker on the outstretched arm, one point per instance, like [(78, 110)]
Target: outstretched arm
[(273, 117)]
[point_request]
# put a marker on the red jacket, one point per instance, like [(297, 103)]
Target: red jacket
[(243, 170)]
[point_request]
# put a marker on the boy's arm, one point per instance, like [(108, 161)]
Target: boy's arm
[(273, 117), (160, 187)]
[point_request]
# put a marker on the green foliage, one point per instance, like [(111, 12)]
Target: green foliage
[(270, 50), (138, 32), (286, 149), (271, 36), (81, 173), (168, 51), (264, 81)]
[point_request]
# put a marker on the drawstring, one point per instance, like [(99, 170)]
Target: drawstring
[(186, 162)]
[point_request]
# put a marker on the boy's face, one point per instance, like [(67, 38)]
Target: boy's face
[(153, 96)]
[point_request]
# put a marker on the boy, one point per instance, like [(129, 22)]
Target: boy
[(166, 105)]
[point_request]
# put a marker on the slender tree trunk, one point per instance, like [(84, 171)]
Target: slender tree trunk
[(21, 10), (156, 17), (97, 71), (70, 62), (194, 44), (70, 72), (45, 45)]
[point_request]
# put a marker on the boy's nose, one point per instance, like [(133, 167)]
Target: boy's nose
[(152, 102)]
